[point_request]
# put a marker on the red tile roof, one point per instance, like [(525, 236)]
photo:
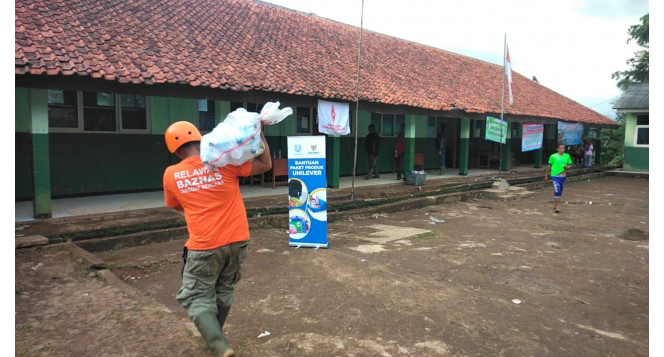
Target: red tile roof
[(245, 45)]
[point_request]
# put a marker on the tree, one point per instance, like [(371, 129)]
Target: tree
[(613, 144), (639, 64), (613, 140)]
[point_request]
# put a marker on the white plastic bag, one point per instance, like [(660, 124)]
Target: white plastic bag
[(237, 139)]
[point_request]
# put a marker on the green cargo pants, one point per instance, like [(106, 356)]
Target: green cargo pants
[(209, 277)]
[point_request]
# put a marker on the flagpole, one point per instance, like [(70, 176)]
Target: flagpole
[(357, 100), (502, 109)]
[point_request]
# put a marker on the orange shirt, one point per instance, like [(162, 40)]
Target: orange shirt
[(213, 206)]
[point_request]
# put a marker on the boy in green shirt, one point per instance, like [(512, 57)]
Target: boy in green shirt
[(558, 163)]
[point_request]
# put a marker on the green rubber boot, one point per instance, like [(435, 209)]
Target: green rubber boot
[(222, 314), (208, 325)]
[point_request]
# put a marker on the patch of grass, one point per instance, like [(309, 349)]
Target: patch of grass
[(154, 267), (424, 237), (137, 307), (23, 327)]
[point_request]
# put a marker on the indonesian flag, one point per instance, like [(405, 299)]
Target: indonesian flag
[(333, 118), (508, 71)]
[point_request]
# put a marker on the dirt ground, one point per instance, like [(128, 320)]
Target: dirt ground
[(479, 278)]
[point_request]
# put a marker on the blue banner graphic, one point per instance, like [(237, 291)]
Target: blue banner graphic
[(569, 133), (307, 192)]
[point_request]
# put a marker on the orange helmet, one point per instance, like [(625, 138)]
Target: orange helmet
[(180, 133)]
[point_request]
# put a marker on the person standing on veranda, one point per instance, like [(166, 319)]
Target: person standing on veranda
[(441, 144), (372, 146), (588, 154), (399, 150)]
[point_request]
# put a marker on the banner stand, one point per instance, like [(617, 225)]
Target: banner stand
[(305, 245), (307, 192)]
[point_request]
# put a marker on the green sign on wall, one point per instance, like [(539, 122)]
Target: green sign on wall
[(496, 130)]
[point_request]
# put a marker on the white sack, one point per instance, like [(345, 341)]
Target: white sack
[(237, 139)]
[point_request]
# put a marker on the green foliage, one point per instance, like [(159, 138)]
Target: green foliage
[(641, 33), (613, 140), (613, 144), (639, 65)]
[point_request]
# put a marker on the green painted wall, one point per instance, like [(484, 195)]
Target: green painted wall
[(38, 118), (224, 108), (108, 163), (630, 129), (22, 110), (165, 111), (347, 148), (410, 133), (85, 163), (464, 144), (332, 162), (636, 157), (23, 180), (42, 176), (423, 145), (91, 163)]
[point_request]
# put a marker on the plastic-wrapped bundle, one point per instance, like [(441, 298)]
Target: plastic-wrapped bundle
[(237, 139)]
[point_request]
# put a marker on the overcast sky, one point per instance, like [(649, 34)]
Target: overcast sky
[(571, 46)]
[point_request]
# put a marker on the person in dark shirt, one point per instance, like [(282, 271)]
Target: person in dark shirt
[(399, 150), (441, 144), (372, 146)]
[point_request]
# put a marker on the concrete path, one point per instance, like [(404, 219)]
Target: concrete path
[(67, 207)]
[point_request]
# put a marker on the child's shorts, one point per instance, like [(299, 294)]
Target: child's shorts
[(558, 183)]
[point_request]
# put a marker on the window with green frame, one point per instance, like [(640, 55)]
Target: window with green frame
[(306, 120), (99, 112), (376, 120), (132, 109), (62, 109), (642, 130), (400, 123), (351, 123), (433, 123), (479, 127), (249, 106), (388, 124), (77, 111), (206, 114)]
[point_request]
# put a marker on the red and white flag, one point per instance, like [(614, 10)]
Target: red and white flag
[(333, 118), (508, 71)]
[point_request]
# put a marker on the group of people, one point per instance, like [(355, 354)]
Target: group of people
[(583, 155), (372, 147), (559, 162)]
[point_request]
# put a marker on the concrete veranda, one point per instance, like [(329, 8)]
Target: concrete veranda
[(68, 207)]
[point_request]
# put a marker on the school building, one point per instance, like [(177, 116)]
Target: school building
[(98, 82)]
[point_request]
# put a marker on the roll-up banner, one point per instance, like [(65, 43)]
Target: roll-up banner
[(307, 192)]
